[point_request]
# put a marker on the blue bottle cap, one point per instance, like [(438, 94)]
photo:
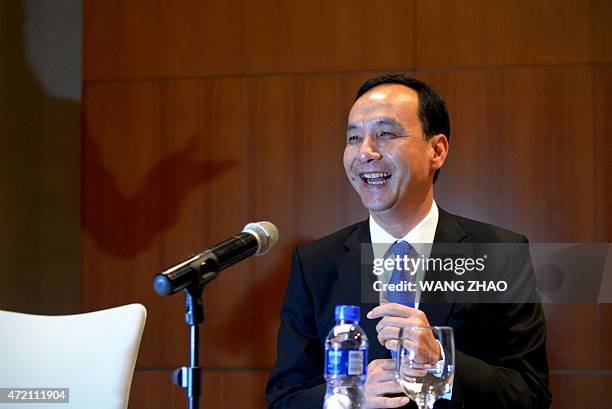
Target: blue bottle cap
[(347, 312)]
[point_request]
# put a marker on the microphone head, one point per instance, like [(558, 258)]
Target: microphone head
[(266, 234)]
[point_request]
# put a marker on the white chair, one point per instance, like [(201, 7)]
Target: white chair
[(92, 354)]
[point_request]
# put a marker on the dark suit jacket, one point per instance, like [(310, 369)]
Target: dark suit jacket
[(500, 357)]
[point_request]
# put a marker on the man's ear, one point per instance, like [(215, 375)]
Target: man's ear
[(439, 145)]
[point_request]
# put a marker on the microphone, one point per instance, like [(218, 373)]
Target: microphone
[(200, 269)]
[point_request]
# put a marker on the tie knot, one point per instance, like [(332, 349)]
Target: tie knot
[(401, 248)]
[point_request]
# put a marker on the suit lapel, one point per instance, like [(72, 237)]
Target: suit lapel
[(357, 288), (355, 278), (349, 263), (448, 230), (435, 306)]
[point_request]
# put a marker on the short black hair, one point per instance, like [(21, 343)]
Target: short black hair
[(432, 109)]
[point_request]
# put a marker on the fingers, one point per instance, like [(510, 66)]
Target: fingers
[(383, 373), (388, 328), (388, 334), (423, 343), (398, 322), (380, 365), (376, 402), (383, 388), (393, 309), (384, 376), (411, 373), (381, 380), (421, 352), (391, 344)]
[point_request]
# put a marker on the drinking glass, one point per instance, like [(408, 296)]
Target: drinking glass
[(425, 363)]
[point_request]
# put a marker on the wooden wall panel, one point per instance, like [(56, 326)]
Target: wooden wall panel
[(295, 138), (158, 188), (319, 35), (580, 391), (220, 389), (602, 106), (566, 349), (171, 159), (603, 337), (484, 32), (199, 116), (520, 134), (150, 39), (602, 31), (186, 38), (602, 89), (528, 133)]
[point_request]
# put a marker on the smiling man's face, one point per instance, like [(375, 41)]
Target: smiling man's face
[(387, 158)]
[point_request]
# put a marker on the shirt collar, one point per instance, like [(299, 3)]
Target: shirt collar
[(424, 232)]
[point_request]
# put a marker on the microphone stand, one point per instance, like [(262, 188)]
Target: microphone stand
[(190, 378), (192, 275)]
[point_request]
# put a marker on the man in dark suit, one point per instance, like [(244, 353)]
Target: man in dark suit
[(397, 141)]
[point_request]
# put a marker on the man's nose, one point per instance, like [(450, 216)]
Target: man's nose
[(369, 149)]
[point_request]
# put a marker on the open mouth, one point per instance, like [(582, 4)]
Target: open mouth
[(375, 178)]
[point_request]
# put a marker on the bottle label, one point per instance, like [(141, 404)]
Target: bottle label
[(345, 362)]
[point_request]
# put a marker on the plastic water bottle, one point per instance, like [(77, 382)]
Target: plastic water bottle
[(346, 360)]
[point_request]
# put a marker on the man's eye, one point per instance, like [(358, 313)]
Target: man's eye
[(353, 138), (386, 135)]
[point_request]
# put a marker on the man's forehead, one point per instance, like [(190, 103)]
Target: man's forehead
[(357, 123), (387, 104), (393, 93)]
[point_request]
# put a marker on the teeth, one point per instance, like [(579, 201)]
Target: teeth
[(375, 175), (369, 178)]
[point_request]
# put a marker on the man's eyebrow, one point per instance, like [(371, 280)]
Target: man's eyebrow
[(351, 127), (377, 122), (387, 121)]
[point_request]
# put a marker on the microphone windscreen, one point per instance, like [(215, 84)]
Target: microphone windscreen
[(266, 234)]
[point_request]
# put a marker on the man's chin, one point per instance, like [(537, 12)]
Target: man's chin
[(376, 206)]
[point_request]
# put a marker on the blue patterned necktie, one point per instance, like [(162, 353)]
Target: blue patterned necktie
[(401, 248)]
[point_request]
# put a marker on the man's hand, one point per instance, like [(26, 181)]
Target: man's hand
[(397, 316), (381, 381)]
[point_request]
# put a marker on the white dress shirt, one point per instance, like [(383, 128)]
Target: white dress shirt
[(420, 238)]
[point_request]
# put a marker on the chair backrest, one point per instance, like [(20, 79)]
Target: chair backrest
[(92, 354)]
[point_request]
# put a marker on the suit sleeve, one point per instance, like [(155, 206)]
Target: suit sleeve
[(516, 375), (296, 380)]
